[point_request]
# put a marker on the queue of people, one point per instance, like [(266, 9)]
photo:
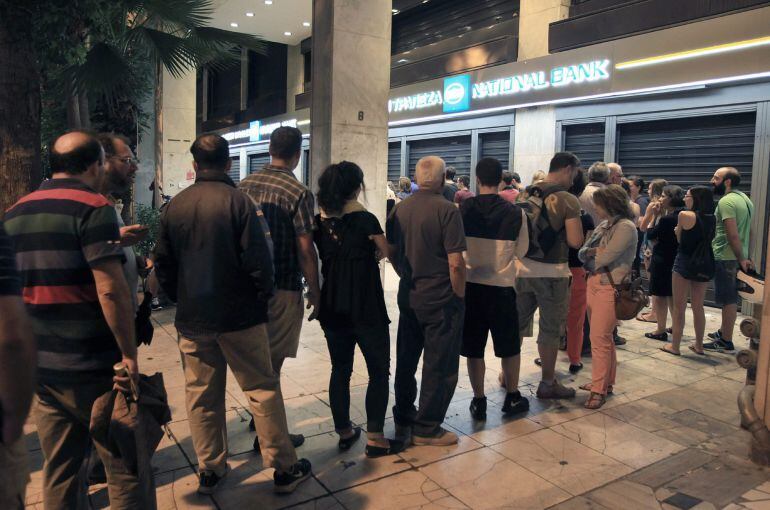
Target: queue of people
[(234, 259)]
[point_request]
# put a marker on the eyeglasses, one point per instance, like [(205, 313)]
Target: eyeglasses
[(128, 161)]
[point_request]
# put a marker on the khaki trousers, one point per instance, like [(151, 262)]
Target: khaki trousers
[(15, 469), (205, 359), (285, 313), (63, 413)]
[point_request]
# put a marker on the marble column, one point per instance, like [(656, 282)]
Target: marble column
[(535, 134), (351, 82), (175, 131)]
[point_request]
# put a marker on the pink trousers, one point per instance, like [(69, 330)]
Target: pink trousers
[(576, 315), (601, 314)]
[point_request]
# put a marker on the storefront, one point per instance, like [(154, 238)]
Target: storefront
[(676, 103)]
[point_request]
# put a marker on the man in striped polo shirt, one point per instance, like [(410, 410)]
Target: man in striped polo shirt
[(68, 250)]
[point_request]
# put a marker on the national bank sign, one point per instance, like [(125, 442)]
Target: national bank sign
[(459, 93)]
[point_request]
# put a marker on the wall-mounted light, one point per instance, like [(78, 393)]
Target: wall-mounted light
[(698, 52)]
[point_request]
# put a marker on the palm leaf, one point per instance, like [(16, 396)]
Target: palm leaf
[(170, 50), (104, 71), (170, 15)]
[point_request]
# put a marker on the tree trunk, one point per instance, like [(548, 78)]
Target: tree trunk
[(85, 115), (19, 106), (73, 107)]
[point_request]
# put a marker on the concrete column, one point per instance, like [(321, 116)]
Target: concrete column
[(295, 76), (351, 82), (535, 131), (175, 131)]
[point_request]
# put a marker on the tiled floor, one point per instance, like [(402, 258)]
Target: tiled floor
[(668, 438)]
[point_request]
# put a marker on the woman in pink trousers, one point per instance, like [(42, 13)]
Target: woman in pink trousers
[(608, 252)]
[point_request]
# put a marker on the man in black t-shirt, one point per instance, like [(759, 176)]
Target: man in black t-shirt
[(427, 235), (496, 232)]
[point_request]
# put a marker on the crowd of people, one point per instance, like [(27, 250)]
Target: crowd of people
[(234, 258)]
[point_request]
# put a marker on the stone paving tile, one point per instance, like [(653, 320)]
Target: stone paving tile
[(421, 455), (486, 479), (495, 429), (628, 444), (562, 461), (410, 489), (655, 475), (626, 495), (579, 503)]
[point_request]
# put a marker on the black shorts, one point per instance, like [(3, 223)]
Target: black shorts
[(490, 309)]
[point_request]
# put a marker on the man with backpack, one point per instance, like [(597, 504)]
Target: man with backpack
[(543, 275)]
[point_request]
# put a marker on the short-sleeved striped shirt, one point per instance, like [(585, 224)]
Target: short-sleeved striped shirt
[(59, 232), (288, 207)]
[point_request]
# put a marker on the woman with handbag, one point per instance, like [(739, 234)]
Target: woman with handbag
[(607, 256), (352, 310), (693, 266)]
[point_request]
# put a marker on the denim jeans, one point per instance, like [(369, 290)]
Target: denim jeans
[(374, 343), (439, 332)]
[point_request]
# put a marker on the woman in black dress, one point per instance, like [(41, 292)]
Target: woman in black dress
[(352, 309), (693, 266), (663, 255)]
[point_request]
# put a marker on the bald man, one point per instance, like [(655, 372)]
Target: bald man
[(67, 244), (427, 235)]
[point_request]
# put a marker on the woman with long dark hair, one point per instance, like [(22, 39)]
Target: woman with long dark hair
[(352, 310), (663, 255), (693, 266), (607, 255)]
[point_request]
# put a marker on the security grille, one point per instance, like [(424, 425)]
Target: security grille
[(586, 141), (455, 151), (394, 161), (497, 145), (235, 170), (257, 161)]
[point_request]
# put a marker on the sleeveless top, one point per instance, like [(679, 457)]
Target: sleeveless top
[(690, 239)]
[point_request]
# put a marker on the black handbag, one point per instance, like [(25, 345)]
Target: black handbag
[(143, 327)]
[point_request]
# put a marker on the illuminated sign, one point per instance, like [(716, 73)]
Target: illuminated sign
[(459, 93), (457, 96), (257, 131), (415, 102)]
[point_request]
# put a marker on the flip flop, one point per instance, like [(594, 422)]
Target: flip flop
[(587, 387), (657, 336), (670, 351), (692, 348)]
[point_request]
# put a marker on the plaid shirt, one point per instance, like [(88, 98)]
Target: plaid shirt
[(288, 206)]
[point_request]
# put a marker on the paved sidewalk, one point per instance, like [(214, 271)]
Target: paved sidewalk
[(668, 438)]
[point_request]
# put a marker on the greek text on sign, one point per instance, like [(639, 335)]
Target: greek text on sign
[(415, 102)]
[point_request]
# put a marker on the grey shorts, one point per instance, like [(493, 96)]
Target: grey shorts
[(551, 295), (725, 283)]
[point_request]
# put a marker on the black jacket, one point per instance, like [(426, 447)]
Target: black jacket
[(213, 257)]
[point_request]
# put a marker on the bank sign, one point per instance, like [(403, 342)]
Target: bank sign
[(461, 94)]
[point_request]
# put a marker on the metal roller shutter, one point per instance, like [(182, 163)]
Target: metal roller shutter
[(496, 145), (586, 141), (455, 151), (687, 151), (235, 170), (394, 161), (257, 161)]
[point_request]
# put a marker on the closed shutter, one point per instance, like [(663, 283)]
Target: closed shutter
[(586, 141), (394, 161), (687, 151), (257, 161), (235, 170), (497, 145), (455, 151)]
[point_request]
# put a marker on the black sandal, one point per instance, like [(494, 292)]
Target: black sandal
[(394, 447), (346, 443), (657, 336)]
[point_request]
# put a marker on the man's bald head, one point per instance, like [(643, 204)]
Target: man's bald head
[(429, 173), (74, 153), (211, 152)]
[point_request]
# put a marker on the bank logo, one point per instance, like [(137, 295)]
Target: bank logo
[(457, 93), (254, 131)]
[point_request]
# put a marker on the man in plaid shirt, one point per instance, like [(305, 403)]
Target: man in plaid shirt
[(288, 207)]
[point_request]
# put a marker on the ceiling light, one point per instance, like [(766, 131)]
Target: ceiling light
[(234, 25), (305, 23), (395, 11), (287, 33), (401, 61), (268, 2), (250, 14)]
